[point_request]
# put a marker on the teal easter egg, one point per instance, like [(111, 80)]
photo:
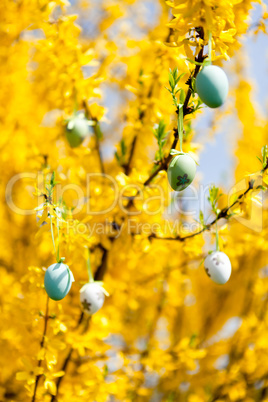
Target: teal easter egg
[(58, 280), (181, 172), (212, 86), (76, 131)]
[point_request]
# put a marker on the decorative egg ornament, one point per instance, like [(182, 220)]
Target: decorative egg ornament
[(181, 171), (218, 267), (91, 297), (212, 86), (77, 130), (58, 280)]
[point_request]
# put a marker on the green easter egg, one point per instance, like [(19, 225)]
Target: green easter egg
[(76, 131), (181, 172), (212, 86), (58, 281)]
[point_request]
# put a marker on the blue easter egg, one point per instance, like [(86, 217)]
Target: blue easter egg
[(76, 131), (58, 280), (212, 86)]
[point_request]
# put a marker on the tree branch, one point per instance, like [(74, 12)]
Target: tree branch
[(222, 214), (46, 318), (186, 110), (127, 167)]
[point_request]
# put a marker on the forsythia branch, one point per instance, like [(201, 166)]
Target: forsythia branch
[(46, 318), (167, 159), (127, 167), (222, 214)]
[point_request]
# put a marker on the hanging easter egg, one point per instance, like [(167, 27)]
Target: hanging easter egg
[(218, 267), (181, 172), (77, 130), (91, 297), (58, 280), (212, 86)]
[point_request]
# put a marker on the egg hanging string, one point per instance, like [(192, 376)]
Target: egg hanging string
[(217, 237), (56, 249), (53, 211), (209, 47), (52, 233), (75, 111), (90, 275), (180, 125)]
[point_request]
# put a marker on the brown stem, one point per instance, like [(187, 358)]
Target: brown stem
[(64, 366), (99, 153), (127, 167), (165, 162), (46, 318)]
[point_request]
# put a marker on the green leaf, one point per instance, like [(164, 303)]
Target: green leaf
[(171, 81), (213, 198), (260, 187), (264, 152), (117, 156), (120, 156), (201, 218), (123, 147), (105, 371), (175, 74), (182, 96), (192, 340), (52, 179), (171, 397), (160, 134), (193, 80)]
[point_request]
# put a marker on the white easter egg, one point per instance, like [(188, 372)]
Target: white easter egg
[(218, 267), (91, 298)]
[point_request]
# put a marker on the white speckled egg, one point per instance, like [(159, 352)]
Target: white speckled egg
[(218, 267), (91, 298)]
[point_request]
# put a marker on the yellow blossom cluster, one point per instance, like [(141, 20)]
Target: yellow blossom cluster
[(226, 20), (166, 332)]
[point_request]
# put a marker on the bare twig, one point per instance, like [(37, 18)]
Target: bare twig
[(127, 167), (132, 149), (46, 318), (222, 214)]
